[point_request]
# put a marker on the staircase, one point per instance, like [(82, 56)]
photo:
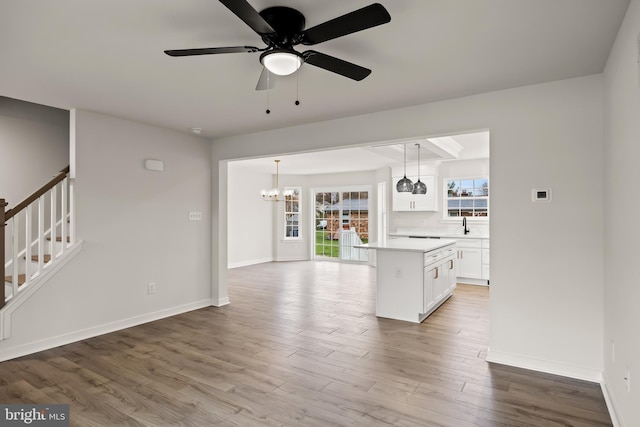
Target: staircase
[(38, 237)]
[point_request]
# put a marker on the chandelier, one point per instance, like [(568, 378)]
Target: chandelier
[(273, 195)]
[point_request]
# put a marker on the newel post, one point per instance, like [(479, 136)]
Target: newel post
[(3, 205)]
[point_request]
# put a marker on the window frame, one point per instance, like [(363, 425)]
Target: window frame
[(446, 198), (288, 203)]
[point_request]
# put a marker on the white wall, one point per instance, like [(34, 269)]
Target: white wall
[(546, 259), (34, 142), (135, 228), (250, 218), (256, 228), (622, 151)]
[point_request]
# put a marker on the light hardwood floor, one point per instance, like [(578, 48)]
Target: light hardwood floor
[(299, 345)]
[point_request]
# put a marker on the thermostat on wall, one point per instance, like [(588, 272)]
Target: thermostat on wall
[(541, 194)]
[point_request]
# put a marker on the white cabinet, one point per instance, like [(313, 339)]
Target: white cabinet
[(469, 254), (412, 279), (472, 257), (450, 277), (439, 279), (415, 202), (430, 284)]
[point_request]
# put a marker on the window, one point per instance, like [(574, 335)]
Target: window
[(468, 197), (292, 213)]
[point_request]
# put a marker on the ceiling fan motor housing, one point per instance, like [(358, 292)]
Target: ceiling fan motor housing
[(287, 22)]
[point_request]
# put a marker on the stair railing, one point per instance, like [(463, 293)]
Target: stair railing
[(23, 223)]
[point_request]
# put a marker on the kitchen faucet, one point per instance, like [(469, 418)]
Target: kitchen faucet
[(464, 224)]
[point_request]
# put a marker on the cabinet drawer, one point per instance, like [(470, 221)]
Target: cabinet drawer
[(469, 243), (449, 252), (432, 257)]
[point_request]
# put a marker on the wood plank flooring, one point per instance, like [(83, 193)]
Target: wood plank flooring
[(300, 346)]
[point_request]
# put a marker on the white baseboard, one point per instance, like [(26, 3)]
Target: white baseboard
[(468, 281), (281, 259), (546, 366), (48, 343), (611, 403), (248, 262), (221, 302)]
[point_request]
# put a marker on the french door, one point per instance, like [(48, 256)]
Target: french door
[(341, 222)]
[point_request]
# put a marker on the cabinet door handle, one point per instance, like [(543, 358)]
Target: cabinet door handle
[(436, 276), (451, 267)]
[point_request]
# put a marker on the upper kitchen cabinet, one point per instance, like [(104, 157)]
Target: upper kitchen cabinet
[(416, 202)]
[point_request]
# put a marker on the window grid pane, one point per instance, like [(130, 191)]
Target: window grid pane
[(467, 197), (292, 212)]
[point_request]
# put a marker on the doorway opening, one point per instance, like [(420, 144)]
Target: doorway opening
[(341, 219)]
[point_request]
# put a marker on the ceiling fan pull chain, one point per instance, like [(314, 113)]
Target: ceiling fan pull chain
[(297, 88), (268, 77)]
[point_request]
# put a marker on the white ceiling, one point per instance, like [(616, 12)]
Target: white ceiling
[(355, 159), (107, 56)]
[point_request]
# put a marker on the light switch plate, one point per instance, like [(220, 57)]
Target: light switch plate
[(195, 216)]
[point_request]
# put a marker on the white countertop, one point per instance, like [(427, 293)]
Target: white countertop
[(410, 245)]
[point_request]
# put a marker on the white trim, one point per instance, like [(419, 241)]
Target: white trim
[(470, 281), (546, 366), (18, 298), (249, 262), (221, 302), (611, 403), (106, 328), (280, 259)]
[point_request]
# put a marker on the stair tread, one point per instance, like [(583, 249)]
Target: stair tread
[(21, 279)]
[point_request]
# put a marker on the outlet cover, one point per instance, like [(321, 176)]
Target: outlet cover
[(151, 287)]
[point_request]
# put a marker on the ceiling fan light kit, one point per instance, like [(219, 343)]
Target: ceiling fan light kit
[(281, 28), (281, 62)]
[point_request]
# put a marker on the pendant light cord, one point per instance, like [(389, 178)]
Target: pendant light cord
[(418, 145)]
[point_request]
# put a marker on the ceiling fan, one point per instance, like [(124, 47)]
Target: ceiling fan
[(281, 28)]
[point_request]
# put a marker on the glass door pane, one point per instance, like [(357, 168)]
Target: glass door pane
[(354, 225), (327, 212)]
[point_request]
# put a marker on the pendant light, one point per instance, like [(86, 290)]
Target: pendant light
[(405, 185), (273, 195), (419, 187)]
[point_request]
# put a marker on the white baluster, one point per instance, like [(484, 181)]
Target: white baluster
[(27, 243), (15, 233), (41, 213), (63, 215), (54, 221), (72, 211)]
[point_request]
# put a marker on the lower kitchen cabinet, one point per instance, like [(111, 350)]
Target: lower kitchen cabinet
[(469, 258), (439, 280)]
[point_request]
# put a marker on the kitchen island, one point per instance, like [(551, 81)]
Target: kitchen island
[(413, 276)]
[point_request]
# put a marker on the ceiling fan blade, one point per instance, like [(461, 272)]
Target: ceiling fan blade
[(266, 80), (358, 20), (211, 50), (335, 65), (249, 15)]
